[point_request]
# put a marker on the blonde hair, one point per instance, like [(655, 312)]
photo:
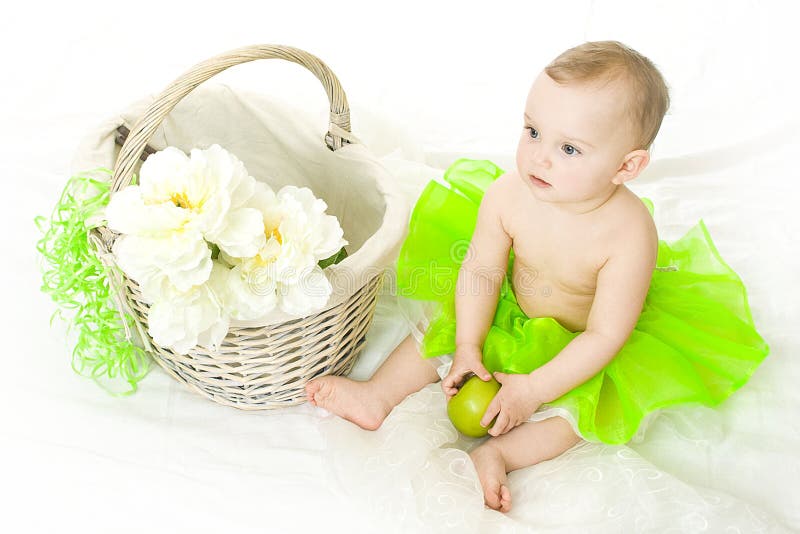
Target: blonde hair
[(607, 61)]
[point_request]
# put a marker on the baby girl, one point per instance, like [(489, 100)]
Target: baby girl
[(584, 251)]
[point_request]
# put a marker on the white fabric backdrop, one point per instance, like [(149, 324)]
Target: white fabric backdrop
[(428, 82)]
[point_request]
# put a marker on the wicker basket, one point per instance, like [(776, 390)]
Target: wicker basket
[(265, 366)]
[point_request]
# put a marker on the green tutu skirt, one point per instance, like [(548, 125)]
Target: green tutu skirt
[(695, 341)]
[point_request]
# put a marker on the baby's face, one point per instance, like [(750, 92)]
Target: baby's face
[(575, 139)]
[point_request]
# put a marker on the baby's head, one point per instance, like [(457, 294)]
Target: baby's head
[(590, 118)]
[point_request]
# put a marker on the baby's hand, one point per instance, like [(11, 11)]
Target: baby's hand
[(466, 361), (513, 405)]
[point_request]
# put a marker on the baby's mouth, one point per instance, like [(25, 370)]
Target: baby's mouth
[(538, 181)]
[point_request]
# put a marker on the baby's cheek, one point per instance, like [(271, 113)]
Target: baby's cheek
[(522, 164)]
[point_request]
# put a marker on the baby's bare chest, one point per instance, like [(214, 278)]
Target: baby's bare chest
[(559, 259), (555, 268)]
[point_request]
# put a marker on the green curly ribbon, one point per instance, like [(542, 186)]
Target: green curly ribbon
[(79, 282)]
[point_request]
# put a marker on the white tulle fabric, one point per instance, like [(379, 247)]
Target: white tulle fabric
[(415, 473)]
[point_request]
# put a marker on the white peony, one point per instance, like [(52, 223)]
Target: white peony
[(172, 262), (184, 319), (309, 293), (298, 235), (244, 298)]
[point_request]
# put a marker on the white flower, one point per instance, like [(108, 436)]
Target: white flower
[(310, 293), (162, 264), (307, 233), (180, 202), (248, 295), (183, 320), (217, 188), (323, 232), (298, 234)]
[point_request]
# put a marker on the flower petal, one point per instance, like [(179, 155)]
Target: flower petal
[(151, 261), (160, 172), (304, 196), (242, 184), (328, 237), (127, 213), (293, 262), (247, 295), (309, 295), (207, 187), (241, 234), (215, 334), (182, 320)]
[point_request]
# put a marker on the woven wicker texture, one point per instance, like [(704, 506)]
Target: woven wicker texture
[(255, 367)]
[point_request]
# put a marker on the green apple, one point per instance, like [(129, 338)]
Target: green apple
[(467, 407)]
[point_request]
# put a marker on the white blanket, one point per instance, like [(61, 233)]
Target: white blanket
[(428, 82)]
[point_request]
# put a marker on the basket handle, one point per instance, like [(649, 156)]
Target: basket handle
[(146, 126)]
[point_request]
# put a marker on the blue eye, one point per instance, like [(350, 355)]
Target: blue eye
[(534, 132), (569, 150)]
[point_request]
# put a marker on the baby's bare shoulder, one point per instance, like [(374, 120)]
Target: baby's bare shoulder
[(505, 186), (499, 195), (632, 226)]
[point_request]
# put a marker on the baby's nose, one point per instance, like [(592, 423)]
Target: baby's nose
[(542, 159)]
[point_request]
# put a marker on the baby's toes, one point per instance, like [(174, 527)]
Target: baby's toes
[(313, 391), (311, 388), (505, 499), (491, 495)]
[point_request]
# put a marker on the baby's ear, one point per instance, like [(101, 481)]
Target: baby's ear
[(633, 164)]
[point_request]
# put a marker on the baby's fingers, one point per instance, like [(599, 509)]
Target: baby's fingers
[(481, 371), (500, 426), (455, 378), (450, 383), (449, 391), (491, 411)]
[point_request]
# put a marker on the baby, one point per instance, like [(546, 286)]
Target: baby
[(588, 242)]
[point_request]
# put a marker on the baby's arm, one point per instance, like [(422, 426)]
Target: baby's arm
[(478, 286), (622, 285), (483, 269)]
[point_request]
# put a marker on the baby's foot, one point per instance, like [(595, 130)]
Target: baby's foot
[(491, 470), (348, 398)]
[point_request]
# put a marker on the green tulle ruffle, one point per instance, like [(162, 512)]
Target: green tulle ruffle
[(695, 341)]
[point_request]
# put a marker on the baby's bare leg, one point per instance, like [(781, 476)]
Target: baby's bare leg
[(527, 444), (368, 403)]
